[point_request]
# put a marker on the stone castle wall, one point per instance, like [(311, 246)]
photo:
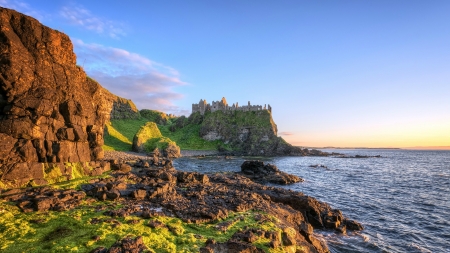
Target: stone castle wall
[(222, 105)]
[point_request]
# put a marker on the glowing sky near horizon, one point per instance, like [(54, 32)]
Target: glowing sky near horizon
[(336, 73)]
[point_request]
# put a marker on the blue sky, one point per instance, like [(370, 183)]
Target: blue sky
[(336, 73)]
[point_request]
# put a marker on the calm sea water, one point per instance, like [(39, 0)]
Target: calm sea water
[(402, 199)]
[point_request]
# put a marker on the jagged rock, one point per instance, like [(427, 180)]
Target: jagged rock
[(51, 112), (260, 172)]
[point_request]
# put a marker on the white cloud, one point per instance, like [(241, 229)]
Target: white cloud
[(286, 133), (80, 16), (149, 84), (22, 7)]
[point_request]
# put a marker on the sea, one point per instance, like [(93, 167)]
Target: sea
[(402, 198)]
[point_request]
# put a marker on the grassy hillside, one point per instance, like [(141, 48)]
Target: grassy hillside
[(188, 138), (186, 132), (121, 132)]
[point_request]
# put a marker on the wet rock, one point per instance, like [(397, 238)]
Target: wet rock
[(262, 173), (353, 225)]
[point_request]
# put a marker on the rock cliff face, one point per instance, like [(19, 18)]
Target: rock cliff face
[(251, 133), (50, 111)]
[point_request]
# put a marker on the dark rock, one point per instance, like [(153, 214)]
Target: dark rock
[(353, 225), (263, 173), (113, 194)]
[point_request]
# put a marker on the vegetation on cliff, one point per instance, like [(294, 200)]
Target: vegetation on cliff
[(120, 133), (252, 132)]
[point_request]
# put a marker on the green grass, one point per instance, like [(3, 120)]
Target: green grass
[(71, 231), (151, 138), (121, 133), (188, 138)]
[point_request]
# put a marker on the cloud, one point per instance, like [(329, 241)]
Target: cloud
[(80, 16), (286, 133), (23, 8), (149, 84)]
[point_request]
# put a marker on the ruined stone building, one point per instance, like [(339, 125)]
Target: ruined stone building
[(223, 106)]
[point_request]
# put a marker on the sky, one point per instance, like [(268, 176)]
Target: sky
[(337, 73)]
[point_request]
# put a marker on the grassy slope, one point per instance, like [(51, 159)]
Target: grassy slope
[(188, 138), (121, 133)]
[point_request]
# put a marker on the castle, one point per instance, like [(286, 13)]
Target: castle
[(223, 106)]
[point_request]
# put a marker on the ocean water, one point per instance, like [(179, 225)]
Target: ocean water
[(402, 198)]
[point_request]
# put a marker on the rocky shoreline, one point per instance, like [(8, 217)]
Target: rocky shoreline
[(147, 188)]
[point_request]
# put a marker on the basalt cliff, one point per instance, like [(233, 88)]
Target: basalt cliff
[(51, 113)]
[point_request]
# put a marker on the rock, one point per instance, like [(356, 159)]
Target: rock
[(139, 194), (149, 138), (156, 224), (288, 236), (125, 168), (353, 225), (51, 111), (113, 194), (128, 245), (260, 172), (230, 246)]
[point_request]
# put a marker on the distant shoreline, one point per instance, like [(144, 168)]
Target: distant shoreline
[(444, 148)]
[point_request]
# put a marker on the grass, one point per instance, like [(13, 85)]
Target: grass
[(121, 133), (71, 231), (188, 138), (151, 138)]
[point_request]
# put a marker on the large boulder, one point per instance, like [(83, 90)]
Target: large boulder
[(50, 111), (149, 138)]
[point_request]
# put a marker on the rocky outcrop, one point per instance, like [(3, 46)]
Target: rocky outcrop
[(50, 111), (150, 139), (267, 173), (251, 133)]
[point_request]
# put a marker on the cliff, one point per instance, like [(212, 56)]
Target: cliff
[(51, 113), (248, 132)]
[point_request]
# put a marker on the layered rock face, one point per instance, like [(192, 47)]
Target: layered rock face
[(50, 111)]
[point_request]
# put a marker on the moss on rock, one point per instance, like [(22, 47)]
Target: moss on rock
[(149, 138)]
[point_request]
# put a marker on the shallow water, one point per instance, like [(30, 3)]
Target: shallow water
[(402, 198)]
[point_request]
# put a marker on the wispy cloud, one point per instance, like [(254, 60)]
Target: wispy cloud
[(149, 84), (22, 7), (286, 133), (80, 16)]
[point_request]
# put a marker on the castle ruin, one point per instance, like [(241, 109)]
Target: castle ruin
[(223, 106)]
